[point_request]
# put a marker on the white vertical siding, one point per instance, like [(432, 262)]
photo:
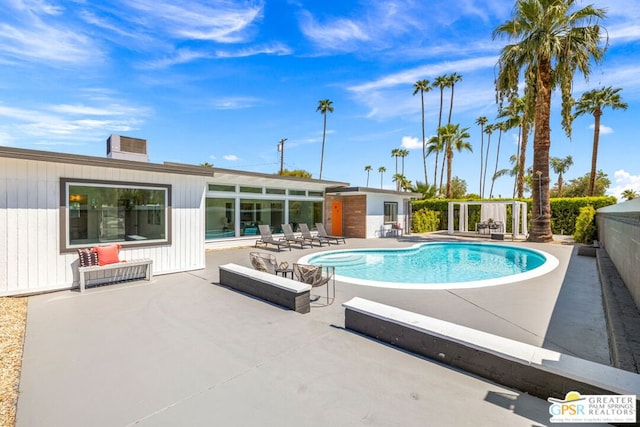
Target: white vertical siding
[(30, 257)]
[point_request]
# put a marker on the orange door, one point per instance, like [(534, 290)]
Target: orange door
[(336, 218)]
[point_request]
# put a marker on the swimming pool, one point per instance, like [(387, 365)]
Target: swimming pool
[(443, 265)]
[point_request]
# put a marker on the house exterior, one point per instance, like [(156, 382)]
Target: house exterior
[(52, 204)]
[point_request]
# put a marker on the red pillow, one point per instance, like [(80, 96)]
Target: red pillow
[(108, 254)]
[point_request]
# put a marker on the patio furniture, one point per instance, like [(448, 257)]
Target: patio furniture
[(292, 238), (267, 239), (306, 234), (322, 232), (316, 276), (110, 269), (269, 264)]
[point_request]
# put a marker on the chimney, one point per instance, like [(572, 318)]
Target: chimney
[(127, 148)]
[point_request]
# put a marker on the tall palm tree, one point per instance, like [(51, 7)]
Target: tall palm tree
[(395, 152), (481, 121), (436, 145), (593, 102), (382, 170), (368, 169), (452, 79), (324, 106), (401, 182), (441, 82), (403, 153), (454, 139), (488, 129), (423, 86), (501, 126), (557, 39), (560, 167)]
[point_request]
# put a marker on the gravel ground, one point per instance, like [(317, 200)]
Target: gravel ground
[(13, 318)]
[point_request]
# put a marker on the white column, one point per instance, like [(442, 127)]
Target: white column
[(450, 219)]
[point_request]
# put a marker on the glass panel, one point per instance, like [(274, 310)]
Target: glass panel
[(220, 214), (220, 187), (251, 190), (254, 212), (390, 212), (302, 211), (316, 194), (297, 193), (276, 191), (100, 214)]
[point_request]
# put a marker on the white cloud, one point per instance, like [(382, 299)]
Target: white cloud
[(604, 130), (235, 103), (230, 157), (623, 180), (411, 143)]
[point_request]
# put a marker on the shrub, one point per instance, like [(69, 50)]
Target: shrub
[(585, 225), (425, 221)]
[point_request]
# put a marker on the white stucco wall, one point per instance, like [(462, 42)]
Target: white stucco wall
[(375, 212)]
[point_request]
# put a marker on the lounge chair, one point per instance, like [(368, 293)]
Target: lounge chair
[(292, 238), (316, 276), (306, 234), (322, 232), (267, 239)]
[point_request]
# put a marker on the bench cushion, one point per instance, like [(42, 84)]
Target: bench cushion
[(108, 254), (88, 257)]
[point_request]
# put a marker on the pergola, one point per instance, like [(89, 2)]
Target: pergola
[(494, 210)]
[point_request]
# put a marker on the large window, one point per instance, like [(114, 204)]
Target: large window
[(220, 217), (254, 212), (301, 211), (101, 212), (390, 212)]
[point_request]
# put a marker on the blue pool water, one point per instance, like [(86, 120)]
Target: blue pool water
[(437, 265)]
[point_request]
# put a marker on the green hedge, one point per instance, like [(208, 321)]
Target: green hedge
[(564, 211)]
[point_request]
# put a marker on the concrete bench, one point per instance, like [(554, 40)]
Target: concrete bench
[(116, 272), (537, 371), (269, 287)]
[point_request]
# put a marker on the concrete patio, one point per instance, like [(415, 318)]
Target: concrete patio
[(182, 350)]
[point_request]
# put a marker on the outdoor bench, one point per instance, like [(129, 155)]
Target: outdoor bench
[(538, 371), (116, 272), (279, 290)]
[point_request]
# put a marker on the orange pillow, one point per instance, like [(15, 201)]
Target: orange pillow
[(108, 254)]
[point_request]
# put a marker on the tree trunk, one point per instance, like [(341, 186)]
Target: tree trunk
[(481, 156), (523, 154), (594, 153), (424, 145), (541, 209), (495, 171), (449, 156), (324, 134)]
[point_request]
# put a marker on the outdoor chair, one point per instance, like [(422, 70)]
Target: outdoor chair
[(317, 276), (322, 232), (267, 239), (269, 264), (306, 234), (292, 238)]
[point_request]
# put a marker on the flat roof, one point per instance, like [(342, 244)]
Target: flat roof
[(368, 190)]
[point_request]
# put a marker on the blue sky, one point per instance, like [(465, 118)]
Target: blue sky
[(224, 81)]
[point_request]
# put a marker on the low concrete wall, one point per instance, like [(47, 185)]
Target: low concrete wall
[(278, 290), (537, 371), (619, 234)]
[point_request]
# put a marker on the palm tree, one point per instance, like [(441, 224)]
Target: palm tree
[(501, 126), (557, 39), (560, 167), (423, 86), (454, 139), (488, 129), (396, 153), (441, 82), (382, 170), (452, 79), (436, 145), (368, 169), (403, 153), (401, 182), (593, 102), (629, 194), (481, 121), (324, 106)]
